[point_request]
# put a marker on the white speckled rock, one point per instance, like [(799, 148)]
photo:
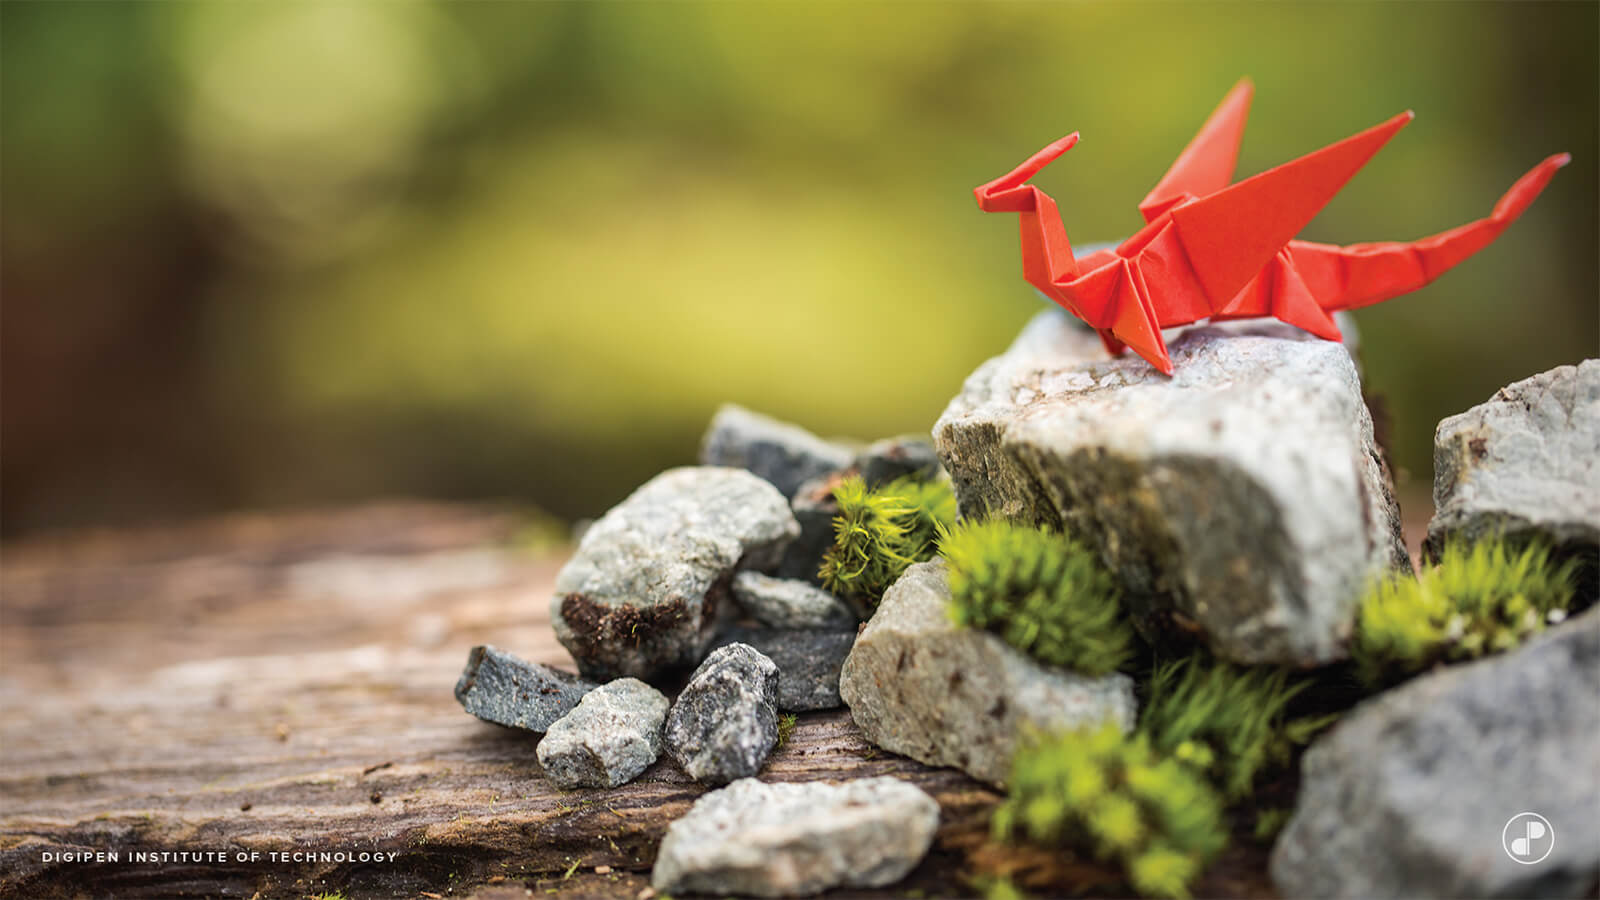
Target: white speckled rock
[(788, 603), (1525, 463), (640, 594), (611, 736), (1410, 794), (920, 686), (794, 840), (1246, 493)]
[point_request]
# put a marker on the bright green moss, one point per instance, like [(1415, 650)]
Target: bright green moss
[(879, 533), (1044, 594), (1153, 815), (1223, 719), (1480, 599)]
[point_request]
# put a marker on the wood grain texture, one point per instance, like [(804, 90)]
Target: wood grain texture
[(282, 684)]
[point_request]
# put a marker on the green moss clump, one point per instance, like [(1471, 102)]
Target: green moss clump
[(1113, 796), (1044, 594), (1226, 720), (878, 534), (1478, 599)]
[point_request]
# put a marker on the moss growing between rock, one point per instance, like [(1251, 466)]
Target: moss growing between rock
[(1480, 599), (1112, 796), (1223, 719), (878, 534), (1044, 594)]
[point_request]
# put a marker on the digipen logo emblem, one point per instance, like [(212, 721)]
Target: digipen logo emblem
[(1528, 838)]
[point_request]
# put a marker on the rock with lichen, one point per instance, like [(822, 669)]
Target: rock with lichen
[(1243, 498), (1524, 465), (641, 594)]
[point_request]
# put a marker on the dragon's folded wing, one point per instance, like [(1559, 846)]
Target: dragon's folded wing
[(1206, 165), (1231, 234)]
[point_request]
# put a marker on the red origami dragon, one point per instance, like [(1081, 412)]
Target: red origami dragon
[(1211, 250)]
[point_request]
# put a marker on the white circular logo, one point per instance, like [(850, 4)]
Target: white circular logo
[(1528, 838)]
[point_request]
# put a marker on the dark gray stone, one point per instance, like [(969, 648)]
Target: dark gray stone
[(612, 735), (920, 686), (786, 455), (725, 721), (1408, 796), (794, 840), (809, 663), (884, 461), (1244, 495), (787, 603), (814, 508), (500, 688), (1524, 464), (642, 593)]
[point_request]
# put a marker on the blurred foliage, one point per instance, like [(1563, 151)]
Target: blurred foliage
[(259, 254)]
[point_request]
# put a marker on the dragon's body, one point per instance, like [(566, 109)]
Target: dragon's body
[(1211, 250)]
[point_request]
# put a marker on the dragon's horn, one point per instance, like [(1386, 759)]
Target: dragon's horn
[(1206, 165), (1004, 195)]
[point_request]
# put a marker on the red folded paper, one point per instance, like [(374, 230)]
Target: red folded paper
[(1211, 250)]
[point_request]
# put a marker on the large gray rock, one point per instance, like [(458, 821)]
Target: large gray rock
[(642, 591), (790, 603), (1524, 464), (500, 688), (1409, 796), (611, 736), (1244, 496), (725, 721), (794, 840), (786, 455), (918, 685), (809, 663)]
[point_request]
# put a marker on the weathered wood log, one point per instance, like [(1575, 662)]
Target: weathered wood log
[(282, 685)]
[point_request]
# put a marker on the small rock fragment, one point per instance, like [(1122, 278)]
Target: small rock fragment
[(500, 688), (1413, 793), (787, 603), (641, 593), (612, 735), (786, 455), (884, 461), (795, 840), (808, 663), (919, 685), (1245, 494), (725, 721), (1525, 464)]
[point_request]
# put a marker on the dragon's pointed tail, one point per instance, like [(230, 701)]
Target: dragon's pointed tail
[(1360, 275)]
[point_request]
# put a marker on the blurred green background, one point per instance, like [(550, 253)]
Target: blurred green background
[(260, 254)]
